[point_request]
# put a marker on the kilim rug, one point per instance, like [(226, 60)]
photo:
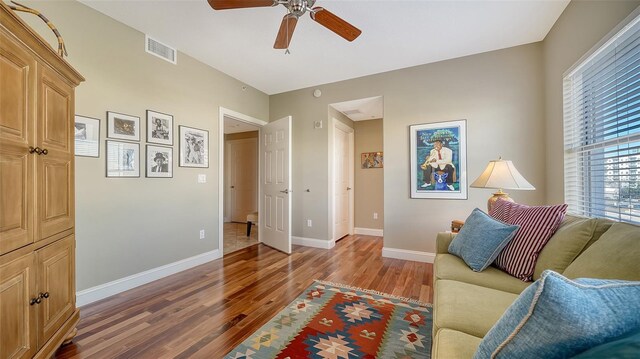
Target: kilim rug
[(337, 321)]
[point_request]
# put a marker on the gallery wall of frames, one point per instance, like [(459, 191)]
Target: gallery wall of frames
[(122, 144)]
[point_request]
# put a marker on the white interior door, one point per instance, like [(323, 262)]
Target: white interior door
[(342, 183), (275, 179), (243, 168)]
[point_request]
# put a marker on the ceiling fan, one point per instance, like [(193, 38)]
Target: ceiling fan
[(296, 8)]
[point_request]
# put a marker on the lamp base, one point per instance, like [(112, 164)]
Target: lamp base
[(498, 195)]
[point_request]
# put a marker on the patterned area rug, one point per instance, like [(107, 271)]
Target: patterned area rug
[(336, 321)]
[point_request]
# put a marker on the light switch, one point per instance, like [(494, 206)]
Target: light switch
[(202, 178)]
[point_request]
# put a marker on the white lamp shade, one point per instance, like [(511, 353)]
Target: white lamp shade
[(502, 174)]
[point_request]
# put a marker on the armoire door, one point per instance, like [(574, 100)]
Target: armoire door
[(54, 168), (17, 316), (56, 268), (17, 74)]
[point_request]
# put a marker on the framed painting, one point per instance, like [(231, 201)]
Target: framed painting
[(371, 160), (123, 127), (159, 162), (87, 136), (123, 159), (194, 147), (159, 128), (439, 160)]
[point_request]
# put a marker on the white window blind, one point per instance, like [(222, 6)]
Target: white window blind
[(602, 130)]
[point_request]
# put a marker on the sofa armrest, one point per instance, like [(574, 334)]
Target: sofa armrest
[(442, 242)]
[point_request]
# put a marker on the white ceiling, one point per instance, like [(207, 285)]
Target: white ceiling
[(363, 109), (235, 126), (395, 34)]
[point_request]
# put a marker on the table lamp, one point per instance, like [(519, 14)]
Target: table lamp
[(501, 174)]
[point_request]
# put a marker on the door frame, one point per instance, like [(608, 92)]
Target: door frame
[(335, 123), (222, 113)]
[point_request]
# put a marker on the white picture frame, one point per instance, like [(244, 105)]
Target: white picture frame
[(159, 128), (122, 159), (87, 136), (194, 147), (159, 162), (123, 127)]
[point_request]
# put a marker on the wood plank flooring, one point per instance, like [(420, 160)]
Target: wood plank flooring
[(206, 311)]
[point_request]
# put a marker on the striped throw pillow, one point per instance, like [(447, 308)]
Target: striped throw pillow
[(505, 211), (537, 225)]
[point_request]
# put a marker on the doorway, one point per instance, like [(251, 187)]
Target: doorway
[(239, 181), (359, 123)]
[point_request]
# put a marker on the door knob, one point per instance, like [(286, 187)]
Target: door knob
[(44, 151), (44, 295), (36, 150), (35, 301), (348, 188), (285, 191), (233, 186)]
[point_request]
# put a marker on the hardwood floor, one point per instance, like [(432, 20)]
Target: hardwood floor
[(206, 311)]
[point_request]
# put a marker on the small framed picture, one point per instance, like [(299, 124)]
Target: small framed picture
[(159, 162), (371, 160), (194, 147), (123, 127), (159, 128), (123, 159), (87, 136)]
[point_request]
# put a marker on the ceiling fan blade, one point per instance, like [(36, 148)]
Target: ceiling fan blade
[(238, 4), (334, 23), (287, 26)]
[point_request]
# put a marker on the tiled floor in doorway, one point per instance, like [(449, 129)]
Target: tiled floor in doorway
[(235, 236)]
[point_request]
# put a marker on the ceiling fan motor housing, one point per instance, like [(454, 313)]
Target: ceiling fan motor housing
[(299, 7)]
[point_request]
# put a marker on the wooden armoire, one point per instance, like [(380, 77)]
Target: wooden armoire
[(37, 245)]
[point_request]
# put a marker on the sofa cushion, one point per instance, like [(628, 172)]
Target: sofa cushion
[(481, 240), (602, 225), (559, 318), (616, 255), (537, 225), (565, 245), (468, 308), (450, 343), (448, 266)]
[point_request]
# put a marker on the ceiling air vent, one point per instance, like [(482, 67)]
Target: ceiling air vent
[(352, 112), (161, 50)]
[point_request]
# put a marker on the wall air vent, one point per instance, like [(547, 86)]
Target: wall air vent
[(161, 50)]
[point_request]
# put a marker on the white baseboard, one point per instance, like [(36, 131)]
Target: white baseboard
[(408, 255), (368, 231), (312, 242), (102, 291)]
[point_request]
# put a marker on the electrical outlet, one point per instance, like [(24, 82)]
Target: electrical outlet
[(309, 223), (202, 178), (375, 215), (202, 234)]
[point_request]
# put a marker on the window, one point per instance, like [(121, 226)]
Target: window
[(602, 130)]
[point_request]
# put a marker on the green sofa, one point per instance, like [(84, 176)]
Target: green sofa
[(467, 304)]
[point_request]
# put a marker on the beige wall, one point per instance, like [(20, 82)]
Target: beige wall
[(581, 26), (126, 226), (500, 95), (369, 183)]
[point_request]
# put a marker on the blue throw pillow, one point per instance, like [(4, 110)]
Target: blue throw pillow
[(625, 347), (556, 317), (481, 239)]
